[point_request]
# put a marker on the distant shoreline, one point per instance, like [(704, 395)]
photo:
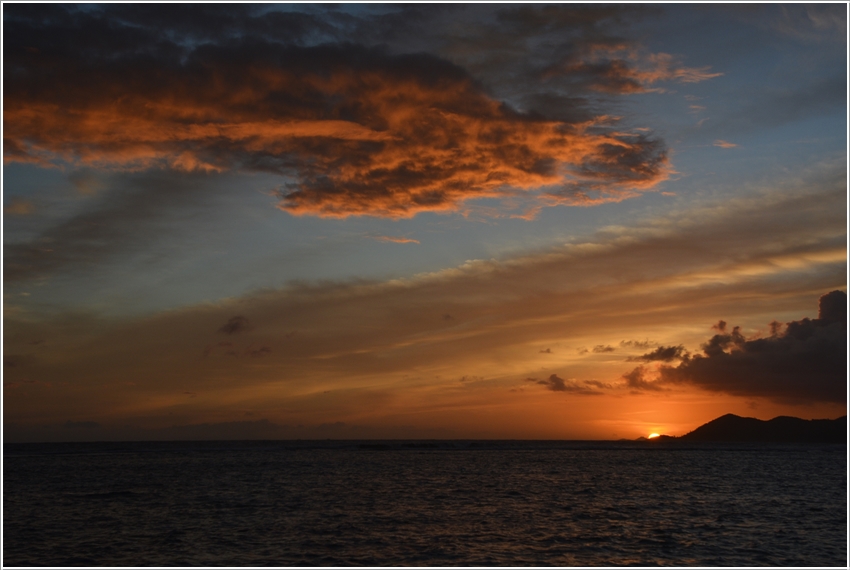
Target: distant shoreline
[(725, 429), (782, 429)]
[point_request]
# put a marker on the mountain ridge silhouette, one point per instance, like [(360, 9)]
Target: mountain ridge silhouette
[(781, 429)]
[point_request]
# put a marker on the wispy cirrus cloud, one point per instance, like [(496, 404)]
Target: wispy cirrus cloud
[(313, 349), (395, 239), (623, 69)]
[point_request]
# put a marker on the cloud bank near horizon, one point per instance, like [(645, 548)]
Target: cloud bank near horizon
[(797, 361), (805, 361)]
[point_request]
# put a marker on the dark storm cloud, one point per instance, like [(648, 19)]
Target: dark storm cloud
[(663, 354), (805, 362), (360, 129), (235, 325)]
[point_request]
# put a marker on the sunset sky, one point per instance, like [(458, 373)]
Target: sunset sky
[(421, 221)]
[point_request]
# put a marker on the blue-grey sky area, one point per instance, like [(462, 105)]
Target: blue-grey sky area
[(194, 163)]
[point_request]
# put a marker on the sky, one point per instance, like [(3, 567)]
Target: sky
[(506, 221)]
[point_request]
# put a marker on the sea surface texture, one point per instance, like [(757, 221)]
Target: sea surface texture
[(424, 503)]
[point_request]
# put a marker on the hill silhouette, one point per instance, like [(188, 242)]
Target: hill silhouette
[(782, 429)]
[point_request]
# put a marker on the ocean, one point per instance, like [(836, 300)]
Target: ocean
[(424, 503)]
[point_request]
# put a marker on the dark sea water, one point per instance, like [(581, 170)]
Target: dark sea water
[(424, 503)]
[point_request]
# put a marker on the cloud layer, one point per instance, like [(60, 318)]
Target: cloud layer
[(385, 352), (356, 129)]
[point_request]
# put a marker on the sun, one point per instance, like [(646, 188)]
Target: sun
[(653, 435)]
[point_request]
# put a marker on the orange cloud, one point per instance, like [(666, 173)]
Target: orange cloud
[(395, 239), (623, 69), (359, 132), (724, 144), (664, 67)]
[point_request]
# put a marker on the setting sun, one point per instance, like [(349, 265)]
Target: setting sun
[(653, 435)]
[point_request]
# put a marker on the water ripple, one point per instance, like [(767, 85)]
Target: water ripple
[(423, 504)]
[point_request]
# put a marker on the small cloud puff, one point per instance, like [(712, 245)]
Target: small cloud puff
[(258, 352), (235, 325), (637, 380), (663, 354), (557, 384), (637, 343)]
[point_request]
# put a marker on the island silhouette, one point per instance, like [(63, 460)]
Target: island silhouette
[(782, 429)]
